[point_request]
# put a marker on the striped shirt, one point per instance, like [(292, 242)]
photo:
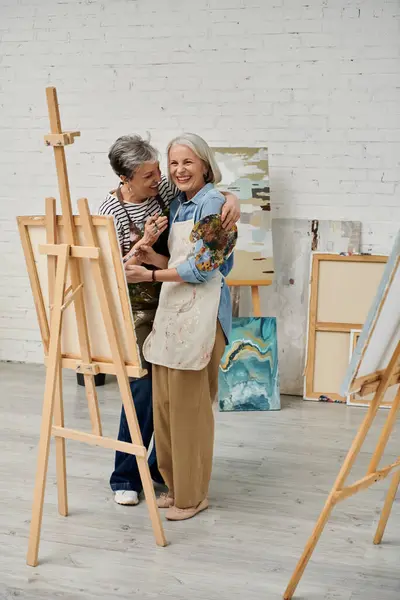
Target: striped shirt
[(137, 213)]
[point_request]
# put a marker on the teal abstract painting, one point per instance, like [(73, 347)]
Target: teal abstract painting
[(248, 375)]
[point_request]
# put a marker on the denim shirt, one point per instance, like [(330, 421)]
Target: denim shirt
[(208, 201)]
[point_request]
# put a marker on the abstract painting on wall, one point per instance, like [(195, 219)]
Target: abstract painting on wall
[(248, 375), (245, 173)]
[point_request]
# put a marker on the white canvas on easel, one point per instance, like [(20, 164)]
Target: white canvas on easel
[(33, 231), (375, 367)]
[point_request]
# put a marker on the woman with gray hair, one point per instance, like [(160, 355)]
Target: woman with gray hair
[(191, 326), (140, 207)]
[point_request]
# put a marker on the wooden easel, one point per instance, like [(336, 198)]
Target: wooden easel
[(63, 259), (377, 382), (255, 291)]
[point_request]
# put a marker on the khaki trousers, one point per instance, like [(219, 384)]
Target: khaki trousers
[(184, 426)]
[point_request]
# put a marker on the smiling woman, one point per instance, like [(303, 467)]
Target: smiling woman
[(140, 205), (191, 327), (187, 170)]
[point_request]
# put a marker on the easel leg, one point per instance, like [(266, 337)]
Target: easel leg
[(51, 237), (310, 546), (151, 502), (61, 466), (382, 442), (386, 432), (136, 436), (255, 297), (235, 298), (122, 377), (343, 474), (93, 404), (75, 272), (387, 508), (53, 367), (325, 514)]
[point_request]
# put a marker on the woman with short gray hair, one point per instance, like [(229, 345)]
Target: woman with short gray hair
[(140, 207)]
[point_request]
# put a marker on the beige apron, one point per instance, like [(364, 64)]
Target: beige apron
[(184, 329)]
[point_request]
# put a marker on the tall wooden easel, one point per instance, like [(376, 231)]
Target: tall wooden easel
[(236, 284), (373, 379), (66, 286)]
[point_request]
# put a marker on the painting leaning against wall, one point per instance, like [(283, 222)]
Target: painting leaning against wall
[(245, 173), (248, 374)]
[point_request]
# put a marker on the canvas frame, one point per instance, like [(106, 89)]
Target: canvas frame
[(316, 327), (37, 270)]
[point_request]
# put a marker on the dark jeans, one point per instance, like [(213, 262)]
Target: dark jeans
[(126, 473)]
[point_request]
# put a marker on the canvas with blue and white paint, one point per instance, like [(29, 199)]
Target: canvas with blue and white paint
[(248, 375)]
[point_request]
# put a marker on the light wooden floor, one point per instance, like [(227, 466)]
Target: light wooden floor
[(272, 472)]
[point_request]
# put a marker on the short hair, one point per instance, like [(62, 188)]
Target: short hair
[(202, 150), (128, 152)]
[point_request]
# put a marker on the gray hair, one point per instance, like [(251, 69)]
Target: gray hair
[(128, 152), (203, 151)]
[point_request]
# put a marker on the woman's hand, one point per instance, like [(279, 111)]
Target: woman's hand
[(132, 257), (137, 274), (154, 227), (230, 211), (152, 230), (147, 255)]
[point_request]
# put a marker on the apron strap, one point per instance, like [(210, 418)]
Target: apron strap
[(177, 212), (122, 203)]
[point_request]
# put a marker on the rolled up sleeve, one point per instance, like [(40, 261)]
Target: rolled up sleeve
[(189, 271)]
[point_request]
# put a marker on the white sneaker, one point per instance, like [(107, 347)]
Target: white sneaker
[(127, 497)]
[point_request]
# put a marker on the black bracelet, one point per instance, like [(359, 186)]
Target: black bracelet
[(153, 276)]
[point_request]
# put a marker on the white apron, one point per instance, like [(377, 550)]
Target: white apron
[(185, 325)]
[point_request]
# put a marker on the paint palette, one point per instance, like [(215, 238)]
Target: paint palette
[(218, 243)]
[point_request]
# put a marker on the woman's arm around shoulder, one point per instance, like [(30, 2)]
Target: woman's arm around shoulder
[(211, 204)]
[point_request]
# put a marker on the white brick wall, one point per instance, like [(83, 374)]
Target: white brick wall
[(316, 80)]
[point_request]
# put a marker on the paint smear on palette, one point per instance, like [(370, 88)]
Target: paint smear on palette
[(248, 375)]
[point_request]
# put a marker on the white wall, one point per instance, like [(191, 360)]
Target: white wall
[(318, 81)]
